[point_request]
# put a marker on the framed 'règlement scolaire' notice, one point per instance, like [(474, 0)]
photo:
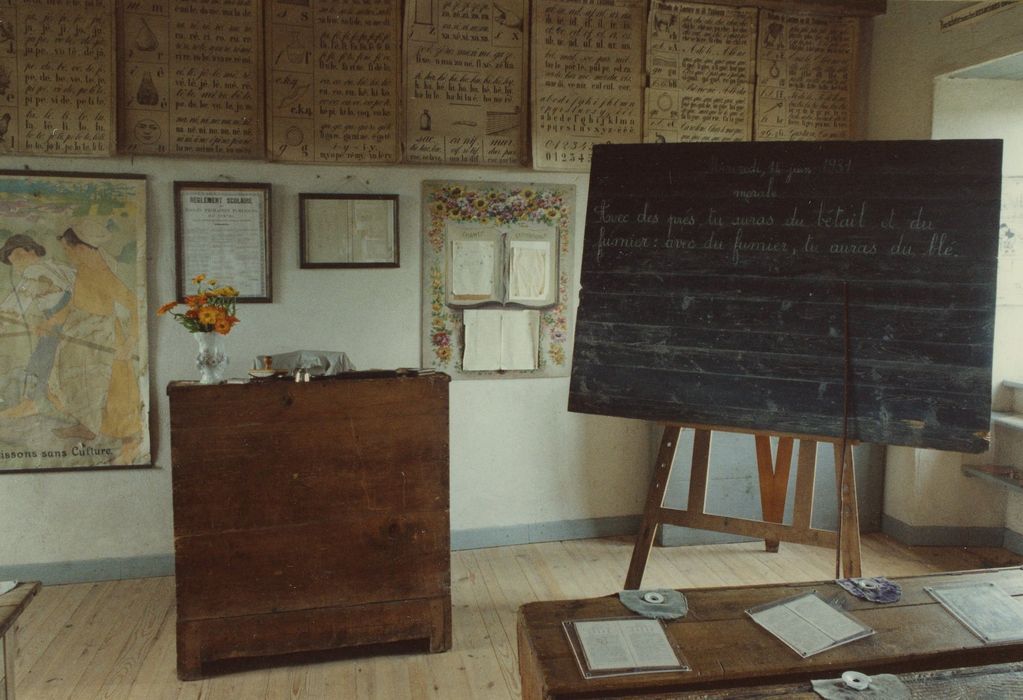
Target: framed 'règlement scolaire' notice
[(222, 230)]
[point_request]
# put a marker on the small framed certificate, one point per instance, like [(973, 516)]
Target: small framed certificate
[(622, 645), (222, 230), (348, 230)]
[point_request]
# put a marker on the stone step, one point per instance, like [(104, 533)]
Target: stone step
[(1011, 420), (1005, 476), (1013, 383)]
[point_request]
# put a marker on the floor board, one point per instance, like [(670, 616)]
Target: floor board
[(116, 640)]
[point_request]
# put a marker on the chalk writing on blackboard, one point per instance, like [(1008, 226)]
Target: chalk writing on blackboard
[(721, 283)]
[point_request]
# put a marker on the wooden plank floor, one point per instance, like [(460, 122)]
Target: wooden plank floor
[(115, 640)]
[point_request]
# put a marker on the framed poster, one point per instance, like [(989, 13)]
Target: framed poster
[(222, 230), (348, 230), (74, 370)]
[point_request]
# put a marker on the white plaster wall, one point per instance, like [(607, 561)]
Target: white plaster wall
[(907, 100), (983, 109), (1014, 513), (517, 455), (974, 109), (909, 51), (927, 488), (900, 500)]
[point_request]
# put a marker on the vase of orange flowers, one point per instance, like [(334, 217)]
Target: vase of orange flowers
[(212, 359), (209, 315)]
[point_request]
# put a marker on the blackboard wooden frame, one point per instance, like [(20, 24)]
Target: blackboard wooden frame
[(714, 284)]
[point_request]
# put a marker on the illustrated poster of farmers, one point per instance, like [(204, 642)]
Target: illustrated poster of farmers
[(74, 371)]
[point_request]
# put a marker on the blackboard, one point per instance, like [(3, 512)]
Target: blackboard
[(786, 286)]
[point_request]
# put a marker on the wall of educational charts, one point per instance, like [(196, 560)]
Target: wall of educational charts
[(320, 81), (482, 239), (74, 371), (57, 86)]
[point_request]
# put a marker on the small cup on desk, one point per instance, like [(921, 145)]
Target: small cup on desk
[(266, 371)]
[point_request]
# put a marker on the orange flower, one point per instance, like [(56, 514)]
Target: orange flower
[(209, 315), (222, 326), (210, 308)]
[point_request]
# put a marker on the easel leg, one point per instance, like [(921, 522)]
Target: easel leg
[(848, 513), (774, 481), (655, 499)]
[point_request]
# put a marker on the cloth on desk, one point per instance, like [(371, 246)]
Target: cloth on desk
[(7, 586), (659, 604), (876, 590), (883, 686), (318, 362)]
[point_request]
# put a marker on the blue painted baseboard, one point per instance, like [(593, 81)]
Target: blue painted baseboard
[(942, 535), (545, 532), (1013, 542), (163, 564), (53, 573)]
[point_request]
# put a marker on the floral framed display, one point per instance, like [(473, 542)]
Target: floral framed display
[(74, 369), (499, 220), (348, 230), (222, 230)]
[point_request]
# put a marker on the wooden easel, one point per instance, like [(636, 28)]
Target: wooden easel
[(774, 481)]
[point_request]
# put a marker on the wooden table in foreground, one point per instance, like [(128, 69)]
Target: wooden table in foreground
[(726, 649), (12, 604)]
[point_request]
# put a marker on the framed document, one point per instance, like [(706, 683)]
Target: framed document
[(988, 611), (222, 230), (348, 230), (620, 646), (807, 624)]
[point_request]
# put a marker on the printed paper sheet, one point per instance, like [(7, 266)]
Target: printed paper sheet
[(465, 82), (191, 78), (57, 82), (587, 79), (500, 339), (701, 62), (806, 67), (333, 68)]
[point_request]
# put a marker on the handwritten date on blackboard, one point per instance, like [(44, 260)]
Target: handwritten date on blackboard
[(719, 280)]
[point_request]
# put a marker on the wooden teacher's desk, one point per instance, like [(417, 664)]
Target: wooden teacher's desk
[(726, 649), (310, 516)]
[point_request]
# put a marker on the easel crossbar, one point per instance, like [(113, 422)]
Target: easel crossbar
[(748, 528), (773, 473)]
